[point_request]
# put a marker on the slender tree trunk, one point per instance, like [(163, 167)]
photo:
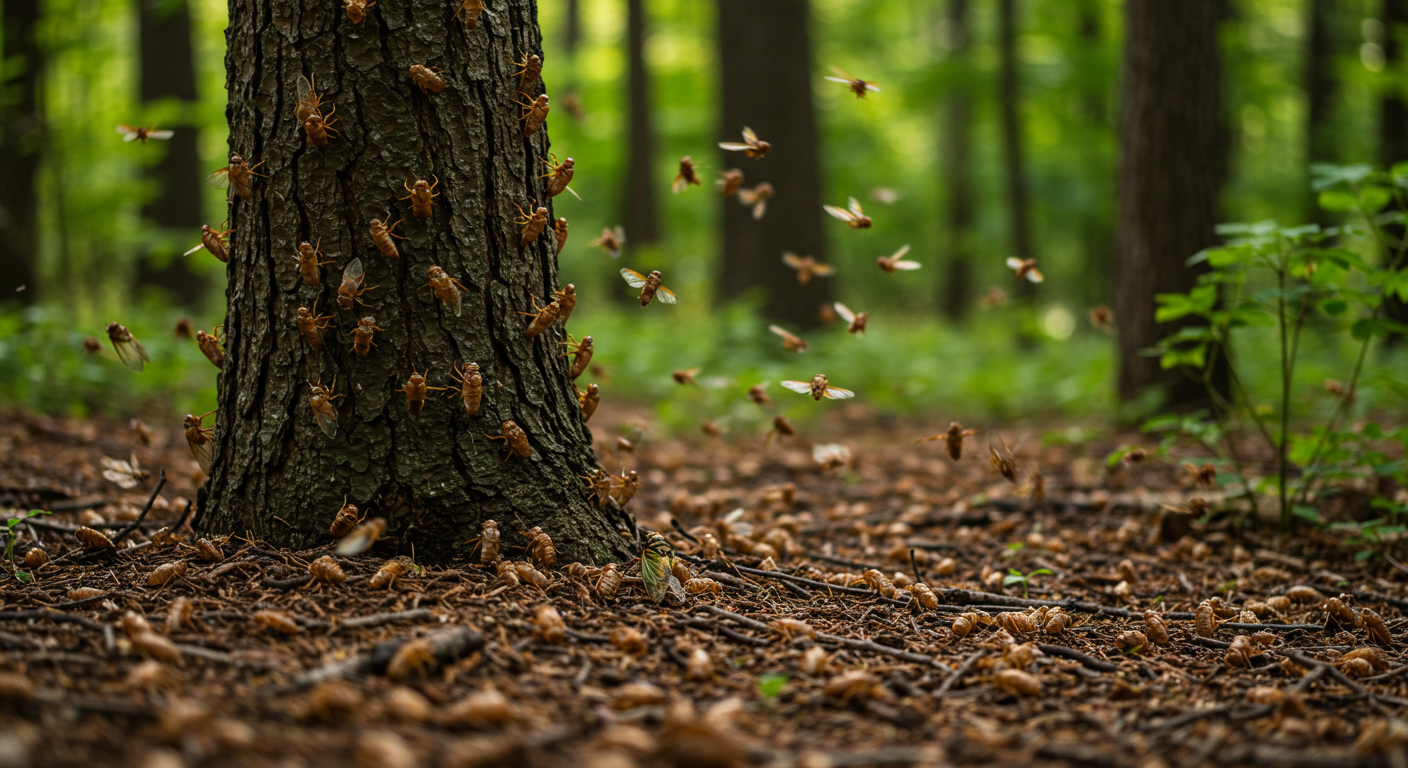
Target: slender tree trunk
[(640, 206), (168, 71), (1014, 163), (956, 148), (435, 475), (1097, 223), (1171, 152), (1393, 132), (572, 29), (1321, 84), (765, 56), (21, 135)]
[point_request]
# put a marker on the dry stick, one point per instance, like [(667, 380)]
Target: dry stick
[(849, 642), (731, 580), (1358, 594), (731, 634), (449, 644), (293, 583), (583, 637), (958, 673), (79, 603), (122, 534), (201, 652), (1099, 665), (51, 615), (377, 619)]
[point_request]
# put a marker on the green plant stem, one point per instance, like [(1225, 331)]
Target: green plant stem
[(1223, 408)]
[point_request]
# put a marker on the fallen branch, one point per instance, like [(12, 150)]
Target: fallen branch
[(1086, 660), (44, 614), (958, 673), (713, 626), (377, 619), (122, 534), (867, 646), (450, 645)]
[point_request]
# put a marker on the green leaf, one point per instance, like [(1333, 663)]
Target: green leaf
[(770, 686), (1375, 198), (1337, 200), (1014, 578), (1334, 306), (1308, 514), (1325, 175)]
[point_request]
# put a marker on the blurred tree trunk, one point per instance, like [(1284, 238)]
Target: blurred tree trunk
[(436, 475), (572, 35), (1097, 225), (956, 149), (1014, 164), (640, 207), (21, 135), (1321, 85), (1171, 163), (1393, 132), (168, 71), (765, 56)]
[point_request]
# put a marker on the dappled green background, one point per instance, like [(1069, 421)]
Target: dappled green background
[(1003, 363)]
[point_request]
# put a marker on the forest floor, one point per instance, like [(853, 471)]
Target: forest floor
[(443, 668)]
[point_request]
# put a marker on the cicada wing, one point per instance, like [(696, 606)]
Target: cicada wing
[(1014, 263), (749, 136), (353, 270), (655, 573), (633, 278), (203, 451), (679, 185), (824, 270), (840, 213), (759, 209), (900, 253), (845, 77), (305, 88), (676, 589), (836, 393), (459, 300), (128, 132), (733, 146), (161, 135), (854, 205), (1035, 275), (869, 86), (131, 353), (666, 295), (783, 332), (793, 260), (327, 421), (220, 179), (193, 250), (931, 438), (839, 80), (906, 264), (805, 387), (845, 312)]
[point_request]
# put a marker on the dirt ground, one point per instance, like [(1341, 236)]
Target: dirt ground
[(1276, 650)]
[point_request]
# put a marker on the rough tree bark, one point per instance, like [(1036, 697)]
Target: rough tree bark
[(1014, 162), (21, 130), (168, 70), (956, 149), (1170, 161), (765, 57), (435, 475), (640, 203)]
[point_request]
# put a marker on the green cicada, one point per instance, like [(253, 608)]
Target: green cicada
[(656, 568)]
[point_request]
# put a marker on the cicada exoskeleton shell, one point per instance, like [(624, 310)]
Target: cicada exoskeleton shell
[(471, 390)]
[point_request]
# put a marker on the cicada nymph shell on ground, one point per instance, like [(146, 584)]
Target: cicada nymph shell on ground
[(529, 68), (311, 325), (608, 581), (551, 627), (382, 236), (855, 321), (818, 388), (210, 346), (308, 263), (542, 317), (757, 197), (237, 177), (142, 133), (729, 181), (345, 520), (471, 389), (422, 196), (128, 349), (541, 548), (851, 214), (362, 335), (790, 341), (611, 240), (533, 223), (416, 389), (687, 177), (515, 439), (428, 79), (559, 175), (807, 267), (650, 287), (896, 262), (751, 146), (320, 399), (534, 114), (166, 573), (447, 289), (952, 437), (326, 570), (1025, 269), (389, 572), (349, 292), (198, 437), (217, 241), (855, 84), (488, 542)]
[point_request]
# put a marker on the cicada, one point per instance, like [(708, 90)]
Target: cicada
[(781, 427), (588, 401), (362, 336), (416, 389), (857, 85), (1001, 458), (209, 344), (309, 102), (752, 145), (142, 133), (818, 388), (427, 78), (198, 437), (757, 197), (471, 387), (650, 287), (567, 299), (311, 325), (447, 289), (611, 240), (320, 398), (533, 223), (686, 177), (528, 71), (471, 10), (357, 9), (381, 236), (952, 437), (351, 289), (889, 264), (515, 439), (581, 352), (308, 262), (542, 317), (790, 342), (1025, 268), (236, 176), (363, 537), (128, 349), (215, 241), (729, 181), (686, 376), (807, 267), (421, 196), (310, 115), (851, 214), (855, 321), (560, 230), (758, 393), (657, 563), (534, 114), (1102, 317), (559, 175)]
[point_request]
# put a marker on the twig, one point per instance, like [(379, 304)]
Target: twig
[(583, 637), (64, 699), (449, 644), (740, 618), (731, 580), (377, 619), (293, 583), (122, 534), (184, 514), (79, 603), (958, 673), (884, 650), (731, 634), (682, 531), (915, 565), (1099, 665), (201, 652), (45, 614)]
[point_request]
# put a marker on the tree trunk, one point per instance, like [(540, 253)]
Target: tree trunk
[(435, 475), (572, 28), (640, 206), (168, 71), (765, 57), (1096, 222), (1321, 84), (21, 134), (1170, 164), (957, 150), (1393, 134), (1014, 164)]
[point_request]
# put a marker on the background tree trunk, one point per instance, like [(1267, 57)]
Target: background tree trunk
[(640, 205), (1093, 105), (168, 71), (765, 56), (1171, 150), (1393, 132), (436, 475), (21, 134), (956, 149), (1321, 84), (572, 27), (1014, 164)]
